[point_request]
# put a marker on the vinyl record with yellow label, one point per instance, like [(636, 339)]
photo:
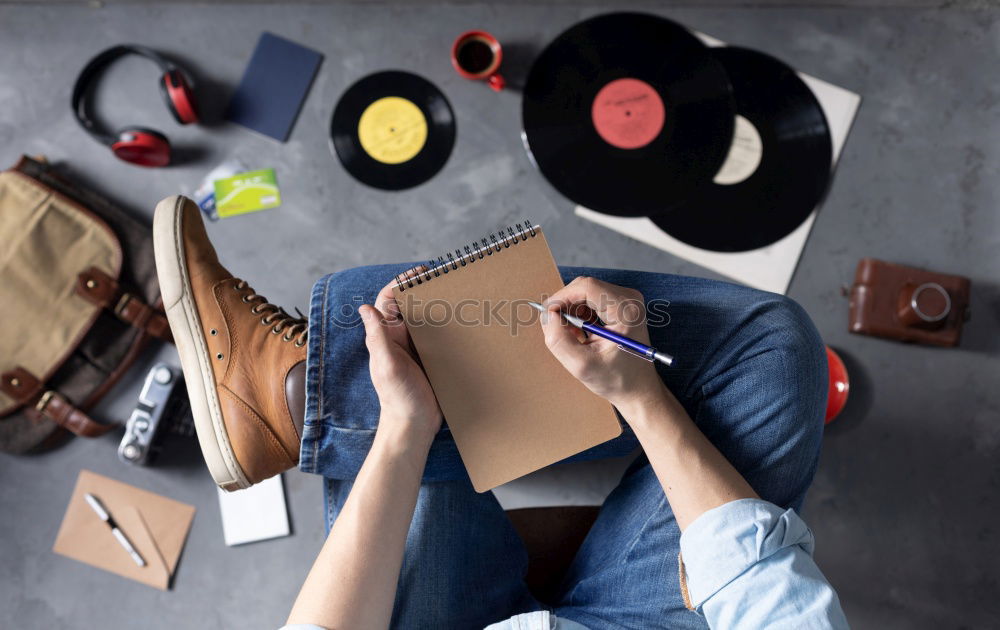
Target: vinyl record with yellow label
[(393, 130)]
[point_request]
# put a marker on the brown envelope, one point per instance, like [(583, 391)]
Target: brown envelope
[(156, 526)]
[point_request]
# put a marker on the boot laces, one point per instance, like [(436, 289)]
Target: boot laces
[(295, 328)]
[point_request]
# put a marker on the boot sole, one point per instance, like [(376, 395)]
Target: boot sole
[(196, 363)]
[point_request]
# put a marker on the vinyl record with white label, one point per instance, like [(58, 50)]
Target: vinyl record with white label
[(778, 167)]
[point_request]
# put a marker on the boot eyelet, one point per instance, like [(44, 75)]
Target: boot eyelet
[(276, 331), (264, 322), (286, 338), (213, 332), (299, 345), (245, 299), (219, 356)]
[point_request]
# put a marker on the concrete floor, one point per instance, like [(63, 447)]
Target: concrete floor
[(905, 502)]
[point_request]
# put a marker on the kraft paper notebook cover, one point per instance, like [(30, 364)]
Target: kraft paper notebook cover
[(510, 405)]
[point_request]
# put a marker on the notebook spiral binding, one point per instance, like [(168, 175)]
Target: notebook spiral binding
[(492, 244)]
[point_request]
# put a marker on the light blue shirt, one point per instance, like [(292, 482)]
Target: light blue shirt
[(749, 564), (746, 564)]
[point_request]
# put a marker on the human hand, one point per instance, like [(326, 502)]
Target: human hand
[(409, 407), (622, 379)]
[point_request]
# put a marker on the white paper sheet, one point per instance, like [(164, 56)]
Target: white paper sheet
[(255, 513)]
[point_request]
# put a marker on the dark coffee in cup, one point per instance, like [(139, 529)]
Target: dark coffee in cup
[(475, 56)]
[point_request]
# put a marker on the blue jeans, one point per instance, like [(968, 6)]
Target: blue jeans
[(750, 369)]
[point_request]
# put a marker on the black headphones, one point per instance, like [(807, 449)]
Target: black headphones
[(137, 145)]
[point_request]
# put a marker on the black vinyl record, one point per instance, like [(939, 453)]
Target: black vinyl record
[(627, 114), (393, 130), (777, 171)]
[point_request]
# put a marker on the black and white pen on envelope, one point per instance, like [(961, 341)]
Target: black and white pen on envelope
[(119, 535)]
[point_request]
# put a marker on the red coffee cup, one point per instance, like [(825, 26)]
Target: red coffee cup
[(476, 55)]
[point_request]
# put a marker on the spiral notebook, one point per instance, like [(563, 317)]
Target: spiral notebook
[(510, 405)]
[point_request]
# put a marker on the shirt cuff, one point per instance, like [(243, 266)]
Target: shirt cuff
[(721, 544)]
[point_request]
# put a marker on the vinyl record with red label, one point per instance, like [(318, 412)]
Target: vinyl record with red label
[(777, 169), (393, 130), (627, 114)]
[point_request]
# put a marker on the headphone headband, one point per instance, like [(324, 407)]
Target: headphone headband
[(94, 67)]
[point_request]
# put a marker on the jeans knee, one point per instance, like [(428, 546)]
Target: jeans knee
[(357, 276), (781, 335), (336, 297), (778, 380), (797, 354), (358, 285), (793, 330)]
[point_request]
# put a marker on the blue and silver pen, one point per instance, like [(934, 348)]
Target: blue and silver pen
[(631, 346)]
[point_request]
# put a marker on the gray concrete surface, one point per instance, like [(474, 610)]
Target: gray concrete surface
[(905, 502)]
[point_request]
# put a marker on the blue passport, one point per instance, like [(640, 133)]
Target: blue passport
[(274, 86)]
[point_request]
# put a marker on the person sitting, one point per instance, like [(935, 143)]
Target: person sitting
[(701, 530)]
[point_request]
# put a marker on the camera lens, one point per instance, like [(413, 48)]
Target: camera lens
[(131, 452)]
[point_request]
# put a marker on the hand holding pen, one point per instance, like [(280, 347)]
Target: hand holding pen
[(600, 362), (631, 346)]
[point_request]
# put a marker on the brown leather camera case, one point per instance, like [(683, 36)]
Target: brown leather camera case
[(908, 304)]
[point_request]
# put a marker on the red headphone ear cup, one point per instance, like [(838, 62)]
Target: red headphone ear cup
[(142, 146), (179, 97)]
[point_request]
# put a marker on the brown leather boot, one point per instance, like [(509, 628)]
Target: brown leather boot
[(243, 358)]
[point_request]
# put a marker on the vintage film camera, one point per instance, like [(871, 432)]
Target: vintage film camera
[(162, 409), (908, 304)]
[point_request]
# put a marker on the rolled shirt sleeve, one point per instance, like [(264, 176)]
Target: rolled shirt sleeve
[(538, 620), (749, 564)]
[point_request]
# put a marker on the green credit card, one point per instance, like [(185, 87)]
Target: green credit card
[(247, 192)]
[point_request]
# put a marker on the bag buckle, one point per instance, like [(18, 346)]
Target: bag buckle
[(123, 303), (43, 402)]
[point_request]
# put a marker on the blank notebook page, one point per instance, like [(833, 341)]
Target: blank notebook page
[(510, 405)]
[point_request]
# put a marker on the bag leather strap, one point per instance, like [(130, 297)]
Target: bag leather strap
[(99, 288), (47, 404)]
